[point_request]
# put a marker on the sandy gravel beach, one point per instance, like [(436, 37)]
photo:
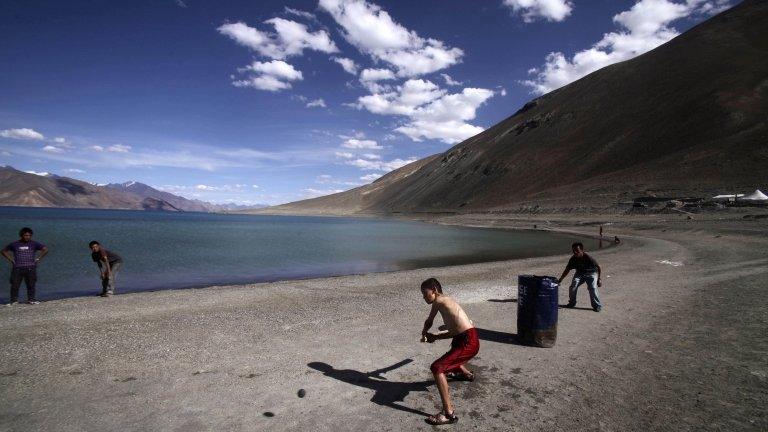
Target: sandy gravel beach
[(680, 345)]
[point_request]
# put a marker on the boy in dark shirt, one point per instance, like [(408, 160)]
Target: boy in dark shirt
[(587, 271), (109, 264), (22, 255)]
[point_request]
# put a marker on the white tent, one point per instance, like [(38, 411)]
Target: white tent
[(755, 196)]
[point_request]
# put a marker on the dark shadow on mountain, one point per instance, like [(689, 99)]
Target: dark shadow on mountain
[(386, 393), (70, 188), (497, 336)]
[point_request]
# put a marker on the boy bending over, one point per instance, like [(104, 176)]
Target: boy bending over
[(464, 345)]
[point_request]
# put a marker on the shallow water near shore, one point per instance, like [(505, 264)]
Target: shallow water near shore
[(185, 250)]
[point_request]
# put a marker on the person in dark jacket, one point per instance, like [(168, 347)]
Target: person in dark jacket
[(587, 271), (22, 254), (109, 265)]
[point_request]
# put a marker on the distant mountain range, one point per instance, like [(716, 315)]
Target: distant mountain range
[(18, 188), (689, 118)]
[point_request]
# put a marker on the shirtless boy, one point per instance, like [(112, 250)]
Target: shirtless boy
[(464, 346)]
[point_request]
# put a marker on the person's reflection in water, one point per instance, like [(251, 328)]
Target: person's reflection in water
[(386, 393)]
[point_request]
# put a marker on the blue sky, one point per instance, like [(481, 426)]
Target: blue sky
[(275, 101)]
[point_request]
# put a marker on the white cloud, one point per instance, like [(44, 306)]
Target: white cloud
[(432, 113), (329, 179), (22, 134), (550, 10), (119, 148), (314, 193), (60, 140), (289, 38), (317, 103), (345, 155), (370, 177), (375, 165), (373, 31), (97, 148), (274, 75), (371, 156), (299, 13), (354, 143), (347, 64), (404, 100), (53, 149), (203, 187), (376, 75), (276, 68), (450, 81), (74, 171), (643, 27)]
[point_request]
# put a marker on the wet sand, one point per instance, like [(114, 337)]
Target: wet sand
[(675, 347)]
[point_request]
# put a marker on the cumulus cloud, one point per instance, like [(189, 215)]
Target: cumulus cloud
[(273, 76), (450, 81), (119, 148), (289, 38), (299, 13), (377, 165), (354, 143), (329, 179), (347, 64), (532, 10), (376, 75), (97, 148), (643, 27), (317, 103), (432, 112), (373, 31), (314, 193), (22, 134), (53, 149)]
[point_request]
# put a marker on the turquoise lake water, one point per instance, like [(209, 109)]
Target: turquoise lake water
[(183, 250)]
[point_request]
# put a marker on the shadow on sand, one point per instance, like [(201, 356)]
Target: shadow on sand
[(497, 336), (514, 300), (577, 308), (386, 393)]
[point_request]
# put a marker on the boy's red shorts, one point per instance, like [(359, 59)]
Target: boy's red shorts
[(464, 346)]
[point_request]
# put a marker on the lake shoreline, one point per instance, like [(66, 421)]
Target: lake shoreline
[(182, 251), (219, 359)]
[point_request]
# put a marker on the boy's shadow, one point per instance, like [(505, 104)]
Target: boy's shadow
[(387, 393)]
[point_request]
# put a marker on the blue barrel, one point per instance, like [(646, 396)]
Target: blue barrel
[(537, 310)]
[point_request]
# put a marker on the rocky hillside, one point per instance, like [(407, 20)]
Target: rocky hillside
[(18, 188), (685, 119)]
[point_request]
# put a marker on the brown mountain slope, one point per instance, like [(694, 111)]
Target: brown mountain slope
[(22, 189), (688, 118)]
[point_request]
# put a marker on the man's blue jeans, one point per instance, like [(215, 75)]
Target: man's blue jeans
[(591, 280)]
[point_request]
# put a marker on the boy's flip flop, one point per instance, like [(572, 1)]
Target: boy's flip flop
[(442, 419), (455, 376)]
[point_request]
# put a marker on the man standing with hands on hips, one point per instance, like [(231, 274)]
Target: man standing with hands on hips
[(22, 254), (587, 271)]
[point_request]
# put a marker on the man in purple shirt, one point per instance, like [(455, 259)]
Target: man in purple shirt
[(22, 255)]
